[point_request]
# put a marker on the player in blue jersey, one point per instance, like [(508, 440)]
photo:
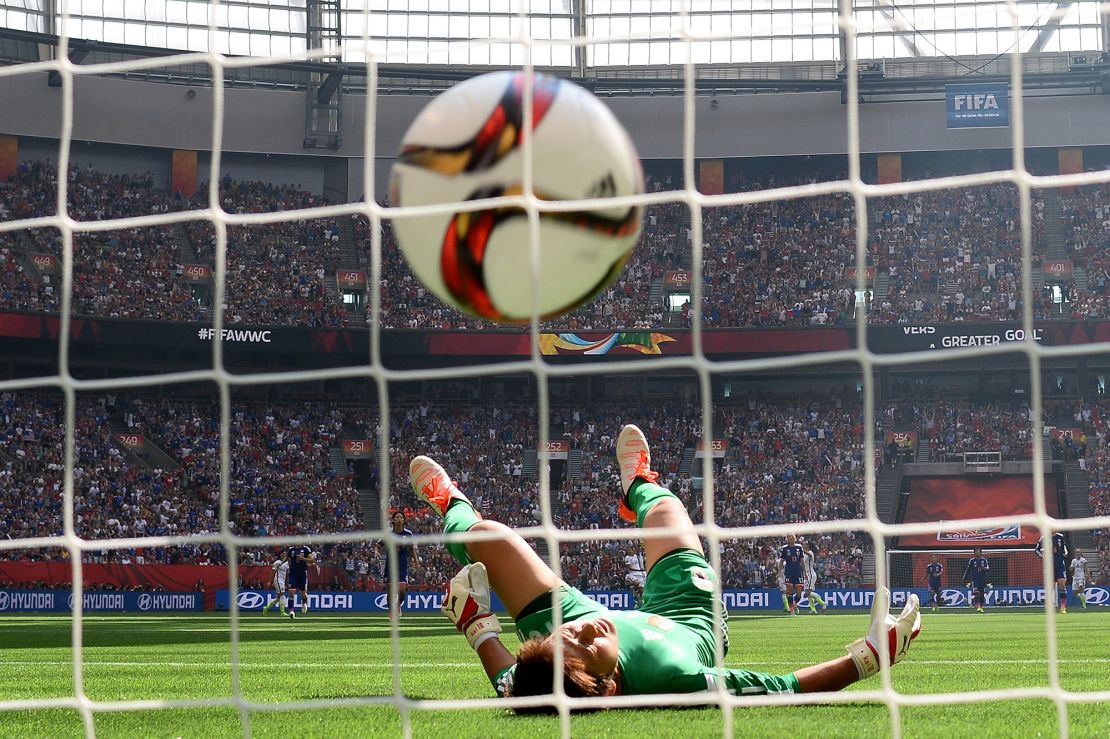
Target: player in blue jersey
[(793, 562), (933, 572), (1059, 567), (668, 645), (977, 576), (404, 553), (300, 557)]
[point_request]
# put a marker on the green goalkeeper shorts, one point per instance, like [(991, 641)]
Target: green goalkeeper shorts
[(682, 586)]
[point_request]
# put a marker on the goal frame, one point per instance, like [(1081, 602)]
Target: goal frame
[(1022, 586)]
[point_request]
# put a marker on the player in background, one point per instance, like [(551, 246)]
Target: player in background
[(281, 571), (811, 580), (792, 556), (636, 575), (977, 577), (933, 572), (1079, 576), (405, 552), (780, 580), (1059, 567), (300, 557), (669, 646)]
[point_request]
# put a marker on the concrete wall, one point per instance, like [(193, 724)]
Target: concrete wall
[(272, 122)]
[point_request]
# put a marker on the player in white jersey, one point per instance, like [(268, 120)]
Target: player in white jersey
[(281, 572), (637, 574), (1079, 576), (810, 571)]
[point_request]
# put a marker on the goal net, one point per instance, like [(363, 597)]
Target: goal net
[(1016, 576), (836, 46)]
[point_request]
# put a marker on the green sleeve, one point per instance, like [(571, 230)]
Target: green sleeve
[(746, 682), (737, 682), (503, 681)]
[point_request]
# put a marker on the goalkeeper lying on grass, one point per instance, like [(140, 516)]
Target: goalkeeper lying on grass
[(665, 647)]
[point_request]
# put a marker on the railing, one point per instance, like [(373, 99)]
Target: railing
[(982, 461)]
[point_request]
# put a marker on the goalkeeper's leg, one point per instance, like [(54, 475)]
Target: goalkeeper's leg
[(648, 504), (516, 573)]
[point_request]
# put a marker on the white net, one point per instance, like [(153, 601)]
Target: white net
[(687, 35)]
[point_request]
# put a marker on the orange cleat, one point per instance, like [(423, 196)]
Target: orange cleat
[(433, 485), (634, 458)]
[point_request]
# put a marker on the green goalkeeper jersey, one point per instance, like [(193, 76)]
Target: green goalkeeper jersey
[(657, 655), (669, 646)]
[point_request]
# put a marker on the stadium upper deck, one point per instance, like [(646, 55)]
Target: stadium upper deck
[(943, 256)]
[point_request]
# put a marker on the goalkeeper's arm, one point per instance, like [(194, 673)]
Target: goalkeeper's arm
[(864, 659), (467, 604)]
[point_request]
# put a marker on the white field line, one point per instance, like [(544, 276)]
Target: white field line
[(93, 662)]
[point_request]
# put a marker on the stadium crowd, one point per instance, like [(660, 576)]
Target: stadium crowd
[(780, 462), (947, 255)]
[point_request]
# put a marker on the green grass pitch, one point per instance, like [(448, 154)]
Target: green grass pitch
[(188, 657)]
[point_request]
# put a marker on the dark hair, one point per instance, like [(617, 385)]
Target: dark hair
[(535, 675)]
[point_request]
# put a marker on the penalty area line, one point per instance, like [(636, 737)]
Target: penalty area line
[(415, 665)]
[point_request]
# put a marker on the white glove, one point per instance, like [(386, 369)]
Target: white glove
[(900, 632), (466, 603)]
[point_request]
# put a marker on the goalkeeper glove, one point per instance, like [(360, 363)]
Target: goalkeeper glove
[(899, 631), (467, 604)]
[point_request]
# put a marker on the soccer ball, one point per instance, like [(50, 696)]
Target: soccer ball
[(466, 145)]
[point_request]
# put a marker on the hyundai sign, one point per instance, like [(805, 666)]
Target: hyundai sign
[(61, 601), (977, 106)]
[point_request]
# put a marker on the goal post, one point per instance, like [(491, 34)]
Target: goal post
[(1017, 575)]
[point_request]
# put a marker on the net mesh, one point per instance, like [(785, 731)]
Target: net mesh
[(697, 363)]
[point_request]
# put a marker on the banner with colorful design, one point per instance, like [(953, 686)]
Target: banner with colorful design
[(642, 342)]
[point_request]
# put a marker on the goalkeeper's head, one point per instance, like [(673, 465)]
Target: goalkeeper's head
[(589, 662)]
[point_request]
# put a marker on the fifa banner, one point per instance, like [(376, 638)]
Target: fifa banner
[(951, 336), (61, 601), (559, 449), (358, 449), (717, 449), (977, 106)]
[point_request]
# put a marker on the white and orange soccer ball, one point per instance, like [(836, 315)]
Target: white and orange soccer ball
[(467, 145)]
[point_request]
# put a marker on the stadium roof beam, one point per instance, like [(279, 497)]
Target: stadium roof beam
[(77, 55), (904, 32), (324, 99), (1046, 71), (1049, 29), (578, 30), (330, 85)]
